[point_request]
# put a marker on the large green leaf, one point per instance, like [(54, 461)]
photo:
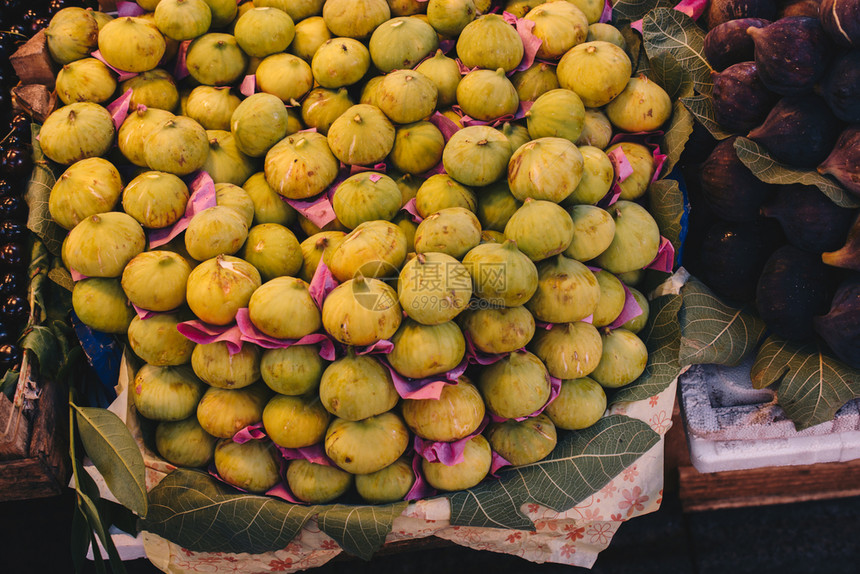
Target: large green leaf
[(713, 332), (38, 191), (115, 453), (632, 10), (677, 135), (196, 511), (42, 341), (769, 170), (666, 204), (360, 530), (662, 335), (702, 108), (668, 30), (812, 385), (666, 71), (581, 464)]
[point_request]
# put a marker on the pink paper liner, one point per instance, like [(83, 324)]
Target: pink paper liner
[(119, 107), (665, 259), (204, 333), (631, 309), (381, 347), (410, 208), (554, 390), (622, 166), (248, 85), (347, 170), (144, 314), (318, 210), (448, 453), (445, 125), (322, 283), (648, 139), (531, 43), (477, 357), (497, 464), (427, 388), (523, 108), (128, 9), (123, 75), (314, 453), (255, 431), (202, 197), (606, 16), (445, 45), (180, 71), (250, 334), (77, 276), (420, 489), (463, 68)]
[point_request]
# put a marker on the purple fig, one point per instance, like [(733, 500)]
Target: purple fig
[(741, 100), (848, 256), (721, 11), (799, 8), (733, 256), (792, 54), (799, 131), (791, 290), (809, 218), (729, 42), (843, 163), (729, 188), (841, 20), (840, 327), (840, 87)]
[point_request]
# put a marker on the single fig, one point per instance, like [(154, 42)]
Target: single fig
[(728, 43), (720, 11), (741, 100), (729, 188), (839, 327), (791, 290), (843, 163), (809, 218), (735, 254), (840, 87), (799, 131), (792, 54), (848, 257), (841, 20)]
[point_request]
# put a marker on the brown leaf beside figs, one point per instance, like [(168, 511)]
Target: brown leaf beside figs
[(792, 54), (799, 131), (843, 163)]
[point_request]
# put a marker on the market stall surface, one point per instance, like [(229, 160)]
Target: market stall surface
[(807, 538)]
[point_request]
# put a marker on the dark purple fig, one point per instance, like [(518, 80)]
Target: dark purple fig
[(733, 255), (799, 131), (847, 256), (792, 54), (721, 11), (791, 290), (840, 327), (799, 8), (840, 87), (729, 188), (729, 42), (841, 20), (809, 218), (843, 163), (741, 100)]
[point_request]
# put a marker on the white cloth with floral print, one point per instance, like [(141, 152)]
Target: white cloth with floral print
[(574, 537)]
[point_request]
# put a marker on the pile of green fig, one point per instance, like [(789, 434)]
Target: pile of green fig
[(342, 233), (787, 77)]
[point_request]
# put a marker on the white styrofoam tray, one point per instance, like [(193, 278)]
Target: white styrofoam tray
[(732, 426)]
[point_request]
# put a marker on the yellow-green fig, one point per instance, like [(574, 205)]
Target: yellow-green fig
[(452, 230), (356, 387), (77, 131), (643, 106), (516, 386), (273, 250), (560, 26), (253, 466), (87, 187), (215, 59), (85, 80), (523, 442), (623, 360), (166, 393), (294, 370), (286, 76), (295, 421), (501, 273), (636, 241), (340, 62), (156, 280), (567, 291), (212, 107), (101, 245), (498, 330), (263, 30), (224, 412), (284, 309), (177, 145), (215, 231), (569, 350), (131, 44), (219, 287), (457, 413), (301, 165), (580, 403), (219, 367), (368, 445), (389, 484), (101, 304), (597, 71), (372, 249), (434, 288), (157, 341), (477, 460), (71, 35), (317, 483), (361, 311), (593, 230), (424, 350), (184, 443), (547, 168), (540, 229)]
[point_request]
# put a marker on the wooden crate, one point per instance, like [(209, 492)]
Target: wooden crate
[(34, 459), (753, 487)]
